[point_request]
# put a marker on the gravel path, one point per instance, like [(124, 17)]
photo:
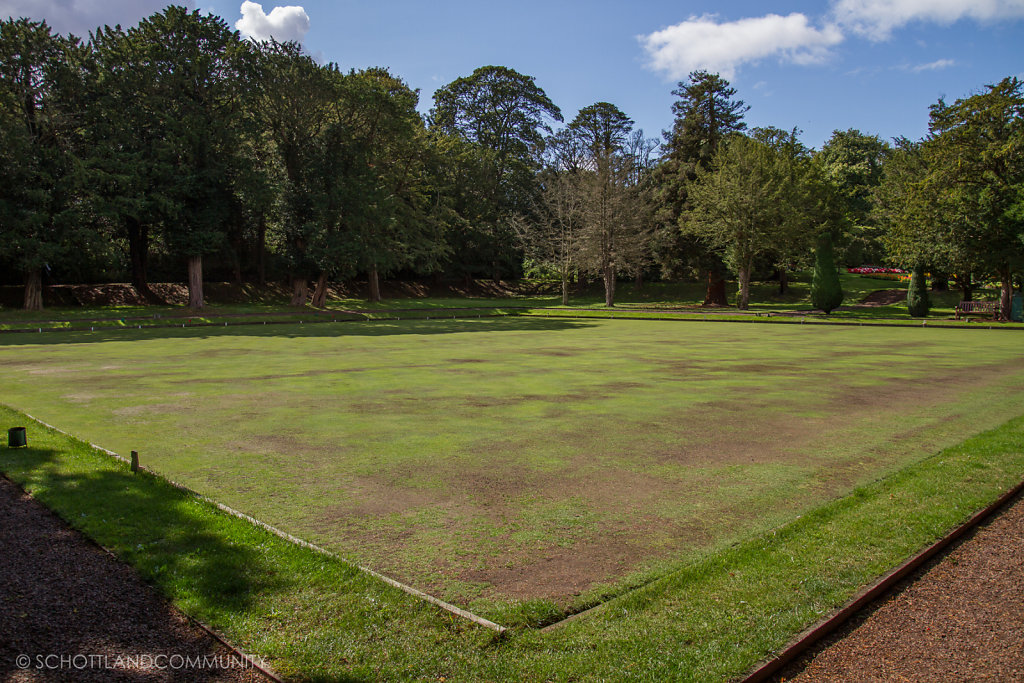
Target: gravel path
[(69, 611), (961, 618)]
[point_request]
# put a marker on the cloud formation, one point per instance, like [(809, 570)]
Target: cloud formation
[(282, 24), (703, 43), (933, 66), (82, 16), (877, 19)]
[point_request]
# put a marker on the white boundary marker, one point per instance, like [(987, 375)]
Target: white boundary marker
[(458, 611)]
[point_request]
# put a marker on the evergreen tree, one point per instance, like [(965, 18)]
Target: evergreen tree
[(918, 303), (706, 113), (192, 93), (826, 292), (41, 178)]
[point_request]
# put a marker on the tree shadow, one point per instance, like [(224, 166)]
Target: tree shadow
[(360, 328), (179, 544)]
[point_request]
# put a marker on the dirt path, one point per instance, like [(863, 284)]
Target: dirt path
[(71, 612), (961, 618)]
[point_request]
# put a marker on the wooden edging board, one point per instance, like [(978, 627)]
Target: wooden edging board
[(884, 585)]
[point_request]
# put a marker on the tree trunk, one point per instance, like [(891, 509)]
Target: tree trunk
[(966, 284), (565, 290), (638, 283), (300, 290), (1005, 295), (940, 282), (609, 285), (195, 282), (374, 279), (236, 266), (744, 302), (138, 254), (715, 294), (320, 291), (783, 281), (34, 289), (496, 271), (261, 255)]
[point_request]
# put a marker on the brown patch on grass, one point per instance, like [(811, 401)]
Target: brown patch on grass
[(620, 534), (559, 573), (372, 499), (557, 353), (150, 409)]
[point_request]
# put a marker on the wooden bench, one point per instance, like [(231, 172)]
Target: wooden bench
[(965, 309)]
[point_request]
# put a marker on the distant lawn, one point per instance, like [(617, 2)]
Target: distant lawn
[(267, 306), (517, 466)]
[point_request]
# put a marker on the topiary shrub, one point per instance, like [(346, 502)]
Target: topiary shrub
[(918, 303), (826, 292)]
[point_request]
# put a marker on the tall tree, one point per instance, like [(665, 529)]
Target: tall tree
[(614, 232), (129, 168), (918, 218), (191, 63), (41, 222), (800, 187), (742, 206), (706, 114), (297, 103), (551, 235), (853, 161), (508, 114), (388, 218), (976, 157)]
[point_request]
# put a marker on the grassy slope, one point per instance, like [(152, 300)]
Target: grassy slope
[(448, 436), (316, 619)]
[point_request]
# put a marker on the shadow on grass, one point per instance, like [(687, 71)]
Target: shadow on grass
[(362, 328), (174, 541)]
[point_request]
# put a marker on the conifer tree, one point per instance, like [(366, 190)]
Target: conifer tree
[(918, 303), (826, 292)]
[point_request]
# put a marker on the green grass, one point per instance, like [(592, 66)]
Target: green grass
[(521, 467), (314, 618)]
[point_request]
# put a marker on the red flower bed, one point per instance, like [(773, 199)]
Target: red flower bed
[(872, 270)]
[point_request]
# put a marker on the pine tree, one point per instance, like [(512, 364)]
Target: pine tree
[(706, 114)]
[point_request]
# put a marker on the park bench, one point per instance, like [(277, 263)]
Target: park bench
[(966, 309)]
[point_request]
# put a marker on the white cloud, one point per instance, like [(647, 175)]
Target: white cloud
[(703, 43), (283, 23), (933, 66), (82, 16), (876, 19)]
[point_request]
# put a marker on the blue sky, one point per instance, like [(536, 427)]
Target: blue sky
[(875, 65)]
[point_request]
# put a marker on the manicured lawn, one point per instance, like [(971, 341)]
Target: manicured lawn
[(521, 467), (314, 618)]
